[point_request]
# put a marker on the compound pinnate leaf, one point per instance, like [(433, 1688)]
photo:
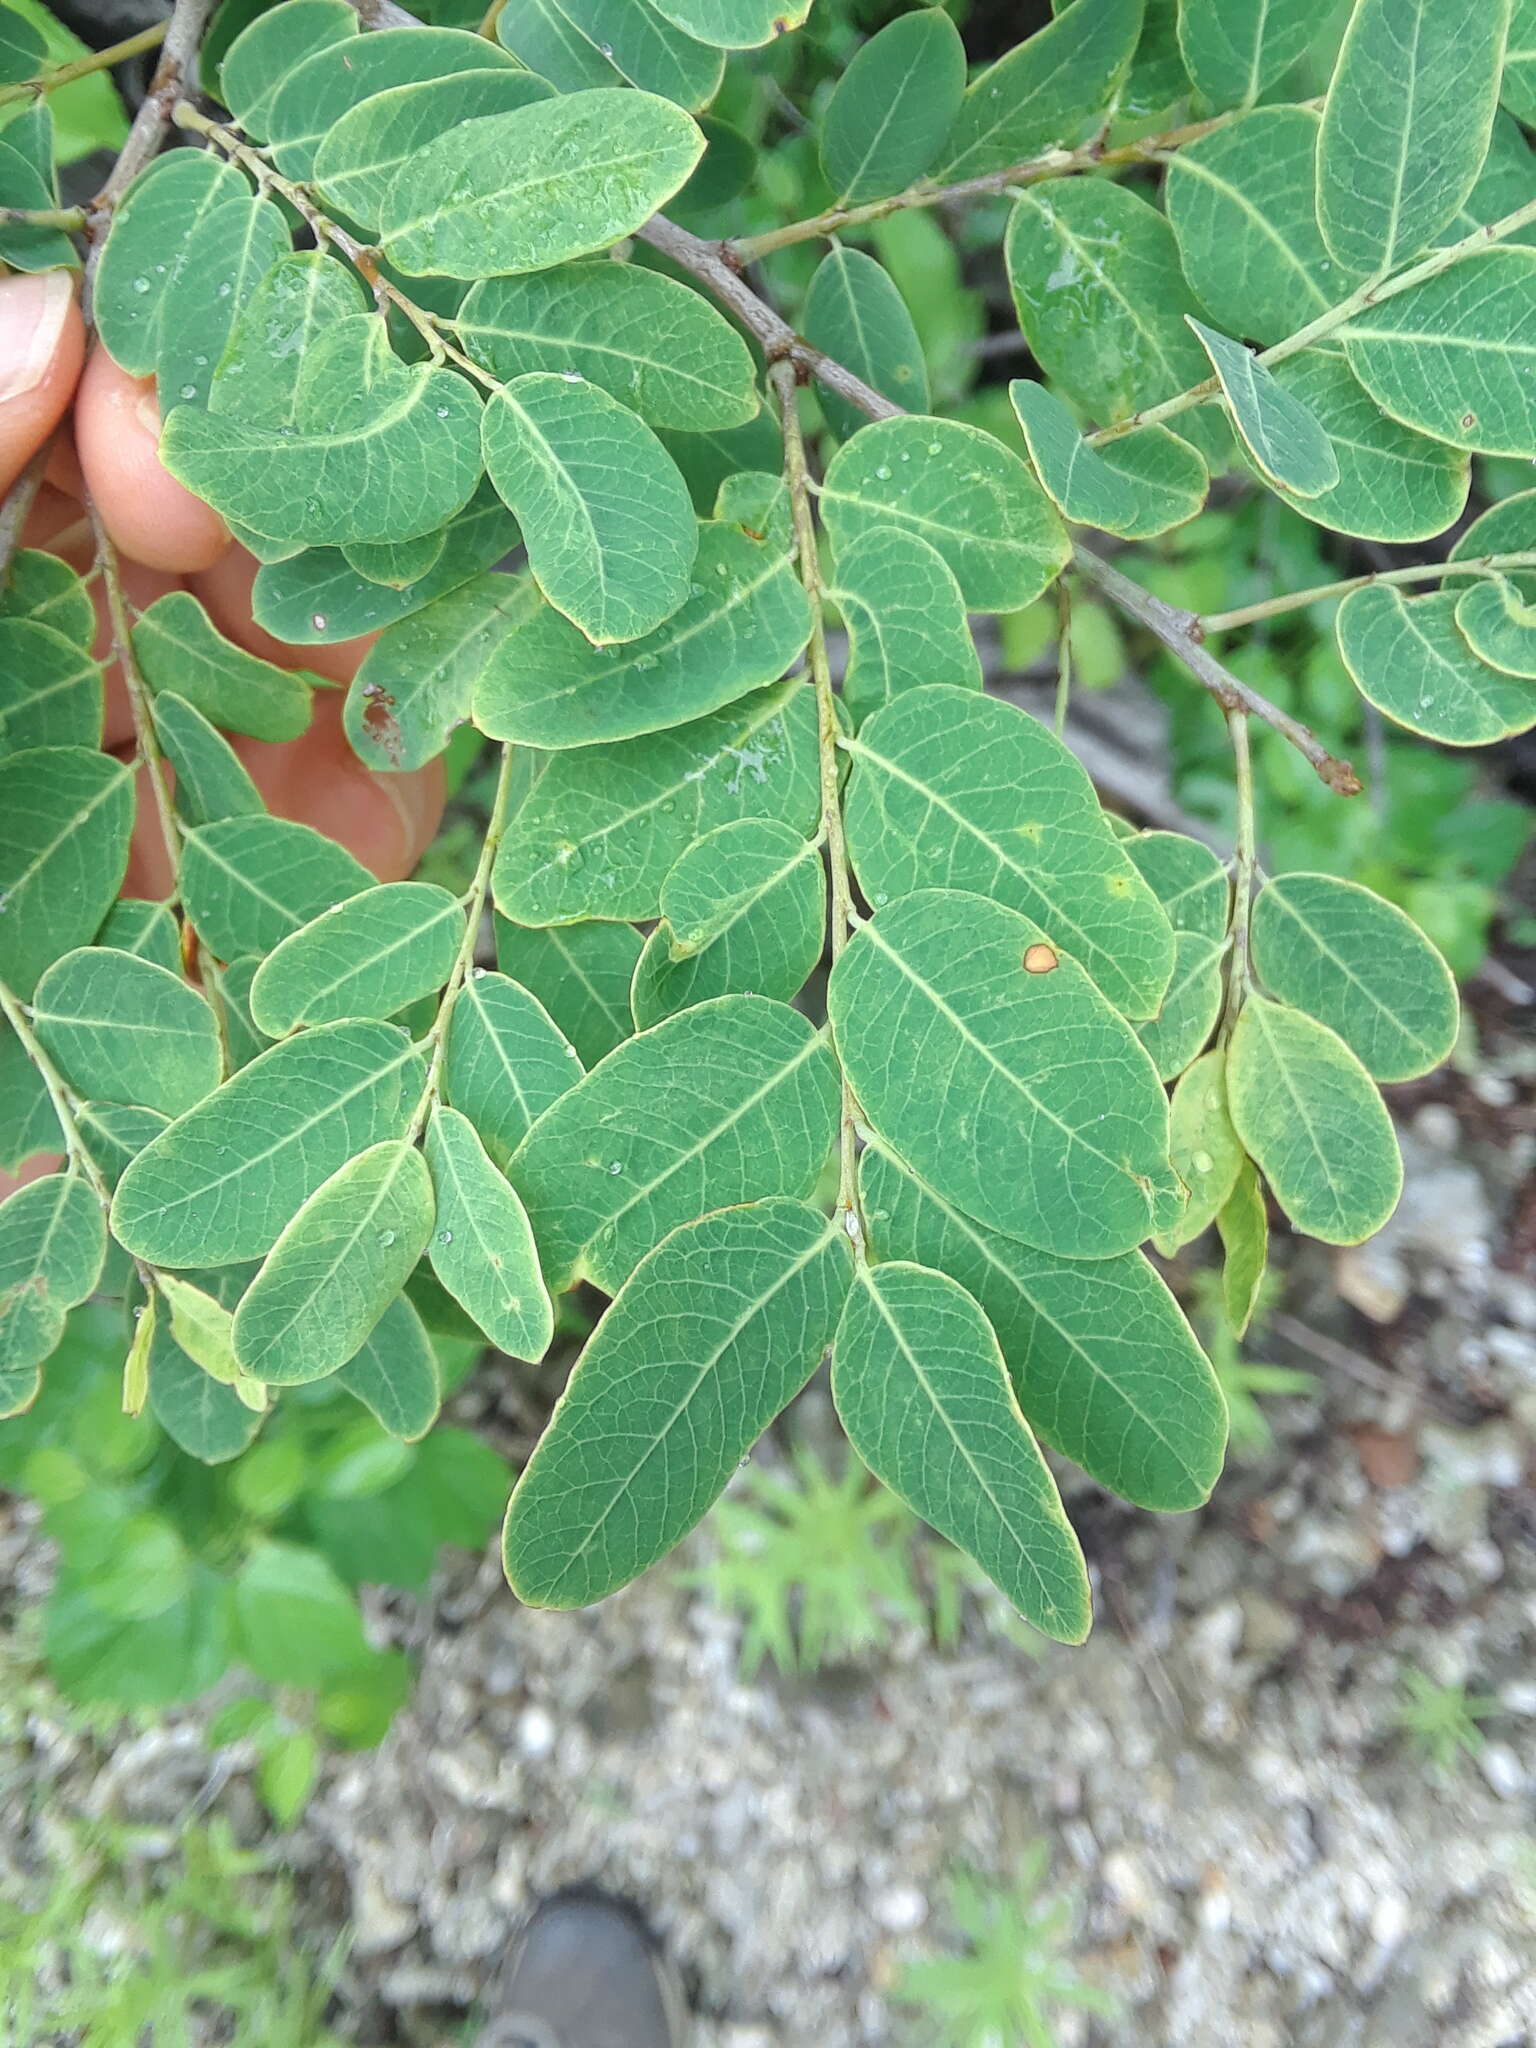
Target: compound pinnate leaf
[(247, 882), (1136, 487), (734, 24), (1205, 1152), (959, 489), (1355, 962), (1406, 125), (922, 1390), (1452, 357), (1233, 49), (535, 187), (580, 973), (1313, 1122), (1045, 91), (211, 780), (1035, 1111), (1409, 658), (365, 957), (743, 912), (893, 107), (1191, 1004), (604, 825), (605, 514), (855, 314), (1394, 484), (1187, 878), (954, 790), (729, 1102), (745, 619), (50, 689), (179, 648), (52, 1245), (396, 1374), (905, 619), (1243, 1227), (646, 340), (482, 1246), (121, 1029), (1287, 443), (66, 814), (220, 1183), (336, 1267), (264, 55), (152, 229), (1499, 626), (228, 253), (1102, 1361), (505, 1061), (711, 1336), (357, 159)]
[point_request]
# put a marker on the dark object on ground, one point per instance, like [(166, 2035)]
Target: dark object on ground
[(586, 1974)]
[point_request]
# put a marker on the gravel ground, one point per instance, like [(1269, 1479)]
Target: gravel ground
[(1255, 1854)]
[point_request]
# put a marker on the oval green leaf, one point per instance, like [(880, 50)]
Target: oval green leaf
[(122, 1029), (365, 957), (482, 1245)]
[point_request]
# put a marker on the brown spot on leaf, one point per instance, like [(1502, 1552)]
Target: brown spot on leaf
[(1039, 959), (1468, 420)]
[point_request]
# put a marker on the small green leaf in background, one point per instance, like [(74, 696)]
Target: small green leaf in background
[(368, 956), (50, 689), (1045, 91), (396, 1374), (52, 1245), (179, 648), (1409, 658), (1203, 1147), (606, 518), (122, 1029), (248, 882), (287, 1775), (855, 314), (1243, 1226), (505, 1060), (905, 618), (923, 1393), (1313, 1122), (1191, 1004), (893, 106), (580, 973), (712, 1335), (1280, 434), (1136, 487), (336, 1267), (1233, 49), (65, 818), (211, 780), (1406, 125), (1355, 962), (482, 1247), (295, 1623)]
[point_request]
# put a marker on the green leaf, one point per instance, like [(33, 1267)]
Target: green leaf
[(1061, 1138), (1498, 625), (893, 106), (87, 114), (482, 1243), (649, 342), (228, 253), (264, 56), (417, 683), (605, 514), (23, 53), (580, 973), (1453, 356), (367, 956), (604, 825), (1190, 1006), (179, 648), (122, 1029), (712, 1335), (1135, 487), (300, 298), (959, 489), (1313, 1122), (535, 187), (1205, 1152), (628, 39), (905, 618), (206, 1420), (396, 562), (202, 1326), (1406, 125), (1045, 91), (116, 1133), (1287, 443), (922, 1390), (65, 818), (294, 1622), (954, 790), (1409, 659), (286, 1776), (855, 314), (211, 780), (1187, 878), (1243, 1226), (50, 689), (247, 883), (148, 929), (743, 912), (222, 1181), (545, 36), (358, 157), (316, 94), (396, 1375), (48, 592), (742, 624), (1100, 295), (1359, 965), (735, 24), (1394, 485), (729, 1102), (52, 1245), (336, 1267), (27, 180), (28, 1124), (505, 1061), (1101, 1359), (144, 256), (1233, 49), (376, 451), (129, 1661)]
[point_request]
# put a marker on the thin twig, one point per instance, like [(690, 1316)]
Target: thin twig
[(1244, 868), (1416, 572), (145, 735), (65, 1103), (68, 220)]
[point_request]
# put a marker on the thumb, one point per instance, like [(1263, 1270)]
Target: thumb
[(42, 343)]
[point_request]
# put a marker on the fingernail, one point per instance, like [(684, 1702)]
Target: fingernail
[(149, 414), (33, 309)]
